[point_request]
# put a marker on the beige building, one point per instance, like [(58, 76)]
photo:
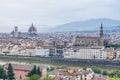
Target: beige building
[(30, 51), (96, 52), (109, 53)]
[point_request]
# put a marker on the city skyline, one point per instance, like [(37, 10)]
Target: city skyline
[(59, 40), (48, 14)]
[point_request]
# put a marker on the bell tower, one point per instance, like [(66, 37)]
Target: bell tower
[(101, 31), (101, 39)]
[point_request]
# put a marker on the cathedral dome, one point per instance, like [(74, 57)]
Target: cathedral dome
[(32, 29)]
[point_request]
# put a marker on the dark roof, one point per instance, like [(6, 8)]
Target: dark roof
[(87, 37)]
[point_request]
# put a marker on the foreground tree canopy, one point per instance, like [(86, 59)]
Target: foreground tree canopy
[(2, 73), (10, 73), (34, 71)]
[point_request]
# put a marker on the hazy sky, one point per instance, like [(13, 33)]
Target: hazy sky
[(22, 13)]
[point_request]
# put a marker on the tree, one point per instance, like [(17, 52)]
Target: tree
[(48, 78), (115, 74), (85, 68), (105, 73), (10, 72), (114, 78), (50, 69), (38, 71), (32, 72), (20, 77), (2, 74), (35, 77), (28, 78), (96, 69), (35, 70)]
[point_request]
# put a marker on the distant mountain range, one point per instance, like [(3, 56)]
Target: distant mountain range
[(89, 25)]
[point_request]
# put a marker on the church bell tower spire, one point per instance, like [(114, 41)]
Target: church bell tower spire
[(101, 31)]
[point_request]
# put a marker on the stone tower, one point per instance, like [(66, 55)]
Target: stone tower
[(101, 31), (16, 31), (101, 39)]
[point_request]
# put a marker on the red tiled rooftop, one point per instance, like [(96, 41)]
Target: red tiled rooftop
[(20, 67)]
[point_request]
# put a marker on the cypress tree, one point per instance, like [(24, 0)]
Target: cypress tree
[(2, 74), (20, 77), (10, 72), (38, 71), (33, 71)]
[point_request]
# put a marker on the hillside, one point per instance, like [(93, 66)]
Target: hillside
[(88, 25)]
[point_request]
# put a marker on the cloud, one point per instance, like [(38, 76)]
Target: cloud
[(53, 12)]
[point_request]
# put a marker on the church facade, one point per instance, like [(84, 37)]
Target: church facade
[(92, 41)]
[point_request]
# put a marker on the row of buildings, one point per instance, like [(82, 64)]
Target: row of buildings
[(66, 45), (77, 74), (26, 51), (91, 52)]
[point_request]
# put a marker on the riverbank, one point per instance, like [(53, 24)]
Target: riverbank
[(53, 62)]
